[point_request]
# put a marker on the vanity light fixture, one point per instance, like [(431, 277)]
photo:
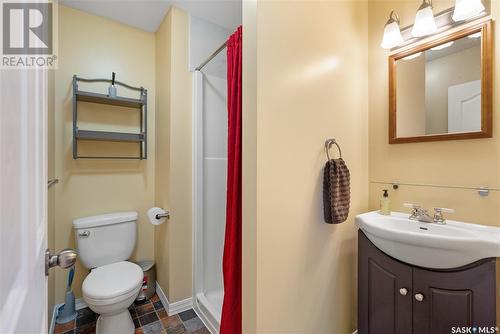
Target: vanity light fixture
[(466, 9), (392, 34), (442, 46), (413, 56), (424, 20)]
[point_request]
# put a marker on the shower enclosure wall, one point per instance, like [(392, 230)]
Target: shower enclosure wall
[(210, 167)]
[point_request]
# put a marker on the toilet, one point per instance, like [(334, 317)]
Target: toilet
[(104, 244)]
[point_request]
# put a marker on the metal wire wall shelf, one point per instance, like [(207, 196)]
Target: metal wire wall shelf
[(140, 104)]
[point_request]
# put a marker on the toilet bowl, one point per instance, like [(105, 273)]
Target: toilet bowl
[(109, 291), (104, 244)]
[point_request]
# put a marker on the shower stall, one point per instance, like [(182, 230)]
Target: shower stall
[(209, 182)]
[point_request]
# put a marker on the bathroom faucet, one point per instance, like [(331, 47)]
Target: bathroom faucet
[(438, 215), (422, 215), (419, 213)]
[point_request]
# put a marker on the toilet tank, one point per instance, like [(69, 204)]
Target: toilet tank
[(105, 239)]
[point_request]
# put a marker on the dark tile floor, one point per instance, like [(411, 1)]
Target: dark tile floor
[(149, 317)]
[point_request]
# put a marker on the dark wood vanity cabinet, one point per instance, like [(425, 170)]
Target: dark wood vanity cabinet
[(397, 298), (381, 306)]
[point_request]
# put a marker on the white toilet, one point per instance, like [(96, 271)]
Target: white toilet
[(104, 243)]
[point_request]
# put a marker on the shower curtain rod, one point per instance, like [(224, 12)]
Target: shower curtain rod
[(212, 56)]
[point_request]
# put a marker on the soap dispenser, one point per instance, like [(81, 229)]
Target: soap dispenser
[(385, 204)]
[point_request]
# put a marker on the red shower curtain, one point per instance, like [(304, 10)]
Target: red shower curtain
[(231, 262)]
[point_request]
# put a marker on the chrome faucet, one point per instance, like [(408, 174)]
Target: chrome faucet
[(438, 215), (422, 215)]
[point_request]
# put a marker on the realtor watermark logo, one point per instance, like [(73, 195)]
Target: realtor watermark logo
[(28, 34)]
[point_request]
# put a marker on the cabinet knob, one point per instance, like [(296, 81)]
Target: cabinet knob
[(419, 297), (403, 291)]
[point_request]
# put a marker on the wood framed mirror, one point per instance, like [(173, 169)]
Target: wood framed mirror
[(442, 89)]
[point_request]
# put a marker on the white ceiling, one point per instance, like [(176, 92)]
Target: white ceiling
[(148, 14)]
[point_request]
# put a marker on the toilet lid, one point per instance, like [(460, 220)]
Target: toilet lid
[(112, 280)]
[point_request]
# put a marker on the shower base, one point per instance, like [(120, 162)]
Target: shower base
[(208, 305)]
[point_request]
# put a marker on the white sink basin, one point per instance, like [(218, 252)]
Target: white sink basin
[(430, 245)]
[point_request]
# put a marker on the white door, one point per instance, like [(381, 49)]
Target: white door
[(464, 107), (23, 201)]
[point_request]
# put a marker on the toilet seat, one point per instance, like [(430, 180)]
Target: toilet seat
[(112, 283)]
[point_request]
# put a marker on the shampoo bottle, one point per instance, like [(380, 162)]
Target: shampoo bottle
[(385, 204)]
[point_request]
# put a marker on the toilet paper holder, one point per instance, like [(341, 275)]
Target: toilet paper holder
[(163, 215)]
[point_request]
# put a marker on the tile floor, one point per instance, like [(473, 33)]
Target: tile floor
[(149, 317)]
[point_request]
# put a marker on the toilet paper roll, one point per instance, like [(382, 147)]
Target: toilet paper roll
[(152, 215)]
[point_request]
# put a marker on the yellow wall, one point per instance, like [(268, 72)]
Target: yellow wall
[(464, 162), (162, 169), (91, 47), (174, 152), (312, 84)]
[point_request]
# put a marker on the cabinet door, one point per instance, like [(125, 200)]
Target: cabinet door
[(454, 299), (382, 308)]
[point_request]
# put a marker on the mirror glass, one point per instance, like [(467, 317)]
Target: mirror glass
[(438, 90)]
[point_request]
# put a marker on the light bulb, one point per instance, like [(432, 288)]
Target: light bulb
[(424, 21), (392, 34)]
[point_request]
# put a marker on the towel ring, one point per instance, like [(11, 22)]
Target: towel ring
[(328, 145)]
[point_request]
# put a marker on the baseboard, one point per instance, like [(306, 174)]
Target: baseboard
[(173, 308), (355, 332)]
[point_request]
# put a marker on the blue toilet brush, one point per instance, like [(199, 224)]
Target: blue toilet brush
[(67, 311)]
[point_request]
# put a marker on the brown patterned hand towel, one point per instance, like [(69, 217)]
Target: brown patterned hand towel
[(336, 191)]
